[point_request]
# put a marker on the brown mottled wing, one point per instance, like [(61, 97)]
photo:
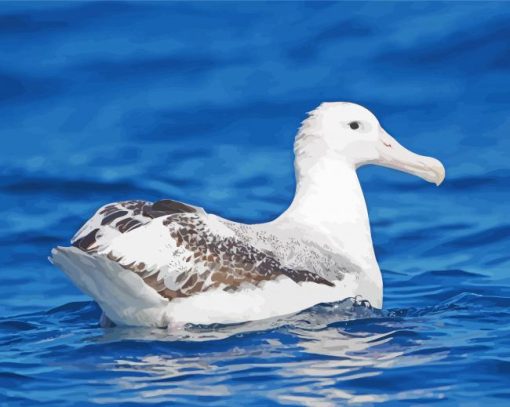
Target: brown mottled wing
[(186, 253), (121, 217)]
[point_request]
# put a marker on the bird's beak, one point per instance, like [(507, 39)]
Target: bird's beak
[(393, 155)]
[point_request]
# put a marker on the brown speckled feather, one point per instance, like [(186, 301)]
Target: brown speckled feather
[(197, 257)]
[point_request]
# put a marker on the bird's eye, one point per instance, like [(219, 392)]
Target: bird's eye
[(354, 125)]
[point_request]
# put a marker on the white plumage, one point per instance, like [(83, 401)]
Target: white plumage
[(168, 263)]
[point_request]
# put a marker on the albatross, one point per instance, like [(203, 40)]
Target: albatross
[(168, 263)]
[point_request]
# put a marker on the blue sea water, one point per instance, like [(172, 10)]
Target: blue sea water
[(200, 102)]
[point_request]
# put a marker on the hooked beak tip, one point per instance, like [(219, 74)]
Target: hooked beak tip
[(394, 155), (440, 173), (430, 169)]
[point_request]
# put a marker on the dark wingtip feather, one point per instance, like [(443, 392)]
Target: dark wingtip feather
[(86, 241)]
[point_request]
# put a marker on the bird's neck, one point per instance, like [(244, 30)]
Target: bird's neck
[(330, 204)]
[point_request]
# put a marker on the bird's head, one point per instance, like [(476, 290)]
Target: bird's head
[(352, 133)]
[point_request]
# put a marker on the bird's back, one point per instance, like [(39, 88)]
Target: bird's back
[(168, 251)]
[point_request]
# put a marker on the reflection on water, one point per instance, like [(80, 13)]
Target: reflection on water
[(328, 357), (329, 354), (308, 360)]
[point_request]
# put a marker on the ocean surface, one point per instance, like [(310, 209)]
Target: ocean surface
[(200, 102)]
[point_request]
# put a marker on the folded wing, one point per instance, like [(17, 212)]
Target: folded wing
[(179, 250)]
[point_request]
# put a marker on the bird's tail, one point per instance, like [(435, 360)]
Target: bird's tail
[(121, 294)]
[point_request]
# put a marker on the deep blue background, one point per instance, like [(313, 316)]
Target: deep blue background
[(200, 102)]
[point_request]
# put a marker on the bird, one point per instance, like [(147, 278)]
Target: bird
[(168, 264)]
